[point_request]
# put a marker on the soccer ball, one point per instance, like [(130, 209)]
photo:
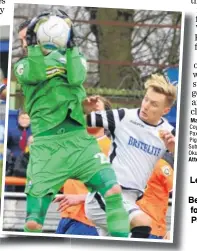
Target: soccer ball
[(53, 33)]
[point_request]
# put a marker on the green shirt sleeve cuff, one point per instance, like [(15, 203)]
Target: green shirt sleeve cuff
[(34, 51)]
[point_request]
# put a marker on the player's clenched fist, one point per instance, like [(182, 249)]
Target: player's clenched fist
[(168, 139), (90, 104), (31, 32)]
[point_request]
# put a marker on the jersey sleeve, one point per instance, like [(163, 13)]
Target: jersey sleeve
[(76, 67), (169, 158), (165, 175), (107, 119), (31, 69)]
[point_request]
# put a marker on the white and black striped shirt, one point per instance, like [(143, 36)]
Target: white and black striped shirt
[(136, 145)]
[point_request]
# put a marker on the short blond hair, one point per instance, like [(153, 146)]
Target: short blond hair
[(160, 85)]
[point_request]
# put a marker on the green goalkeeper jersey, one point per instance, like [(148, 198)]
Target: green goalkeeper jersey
[(52, 85)]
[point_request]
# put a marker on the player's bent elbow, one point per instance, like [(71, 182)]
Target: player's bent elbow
[(77, 77), (76, 81)]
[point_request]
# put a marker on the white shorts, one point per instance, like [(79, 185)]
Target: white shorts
[(95, 209)]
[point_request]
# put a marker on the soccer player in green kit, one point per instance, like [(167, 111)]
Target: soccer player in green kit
[(53, 88)]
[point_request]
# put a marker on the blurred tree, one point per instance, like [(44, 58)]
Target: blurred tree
[(148, 41), (114, 44)]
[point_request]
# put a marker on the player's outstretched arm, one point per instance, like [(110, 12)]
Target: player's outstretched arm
[(31, 70), (76, 66), (68, 200), (76, 63), (109, 119)]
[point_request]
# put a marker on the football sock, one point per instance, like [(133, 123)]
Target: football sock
[(36, 210), (117, 217)]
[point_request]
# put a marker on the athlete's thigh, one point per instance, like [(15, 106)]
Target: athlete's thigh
[(136, 215), (91, 160), (46, 170)]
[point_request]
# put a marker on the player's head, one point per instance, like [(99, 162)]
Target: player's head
[(22, 30), (23, 119), (158, 100)]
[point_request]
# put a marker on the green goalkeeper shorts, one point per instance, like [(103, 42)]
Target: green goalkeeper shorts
[(56, 158)]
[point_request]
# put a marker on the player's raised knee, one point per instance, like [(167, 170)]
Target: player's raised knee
[(116, 189)]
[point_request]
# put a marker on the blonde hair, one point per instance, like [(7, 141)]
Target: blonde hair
[(160, 85)]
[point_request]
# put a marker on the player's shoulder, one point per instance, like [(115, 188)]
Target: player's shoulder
[(165, 125), (19, 61), (127, 110), (131, 113), (19, 65), (127, 114), (124, 113), (118, 113)]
